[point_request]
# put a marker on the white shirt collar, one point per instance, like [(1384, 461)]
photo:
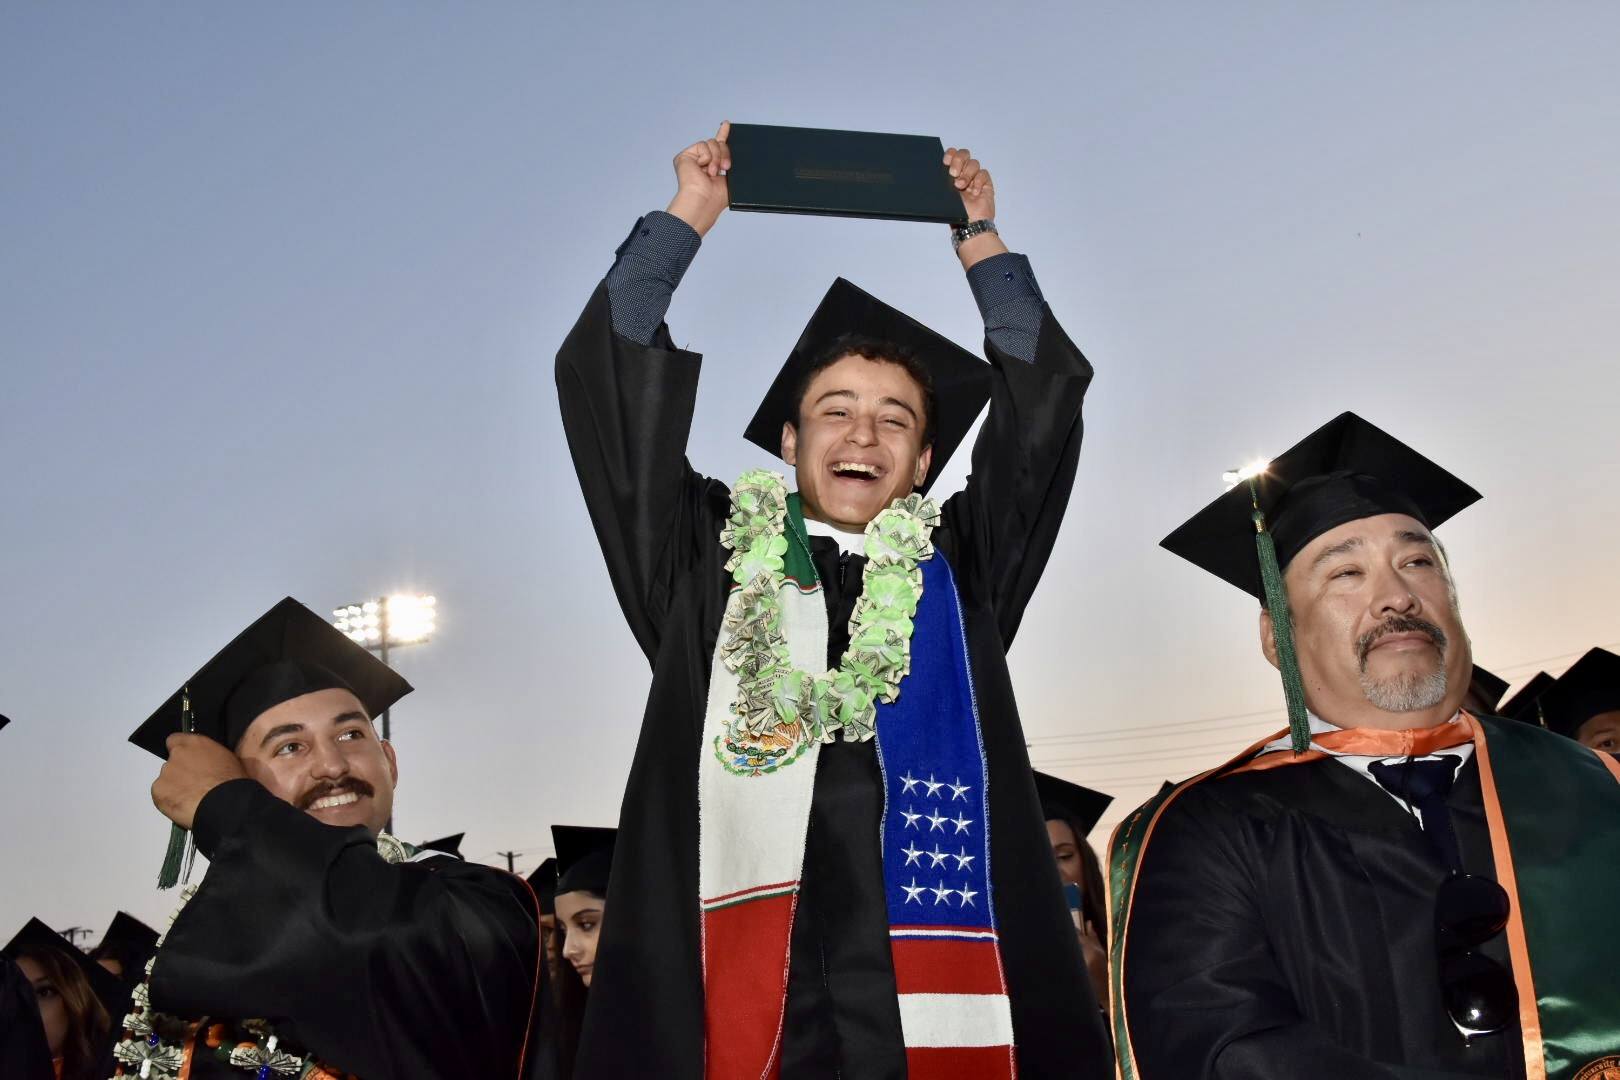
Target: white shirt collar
[(849, 543)]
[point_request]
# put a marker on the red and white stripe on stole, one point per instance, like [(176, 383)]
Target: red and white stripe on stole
[(954, 1012)]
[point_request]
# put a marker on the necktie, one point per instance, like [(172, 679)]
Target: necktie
[(1424, 785)]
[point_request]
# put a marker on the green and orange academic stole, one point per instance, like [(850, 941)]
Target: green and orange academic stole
[(1553, 809)]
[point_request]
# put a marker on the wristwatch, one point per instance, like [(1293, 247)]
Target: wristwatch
[(963, 233)]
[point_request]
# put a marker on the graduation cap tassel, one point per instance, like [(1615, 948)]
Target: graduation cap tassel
[(180, 850), (1282, 629)]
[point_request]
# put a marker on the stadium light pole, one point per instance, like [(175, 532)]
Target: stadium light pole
[(388, 622)]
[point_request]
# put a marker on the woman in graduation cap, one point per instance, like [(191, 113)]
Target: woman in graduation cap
[(830, 806), (584, 859), (317, 943), (1071, 813), (75, 1001), (1392, 887)]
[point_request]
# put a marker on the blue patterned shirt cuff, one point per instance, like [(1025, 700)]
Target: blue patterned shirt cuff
[(1010, 302), (650, 264)]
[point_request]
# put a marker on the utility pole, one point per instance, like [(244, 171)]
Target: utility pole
[(511, 857)]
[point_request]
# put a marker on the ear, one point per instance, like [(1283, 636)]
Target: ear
[(1268, 638), (924, 460), (393, 762), (790, 443)]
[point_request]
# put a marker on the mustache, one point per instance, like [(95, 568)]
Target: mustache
[(1399, 624), (322, 790)]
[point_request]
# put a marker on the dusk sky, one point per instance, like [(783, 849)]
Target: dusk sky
[(281, 287)]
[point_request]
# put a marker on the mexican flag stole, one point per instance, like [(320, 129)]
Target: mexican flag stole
[(1553, 810), (955, 1015)]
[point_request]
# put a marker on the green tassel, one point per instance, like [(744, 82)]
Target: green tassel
[(1282, 629), (177, 860)]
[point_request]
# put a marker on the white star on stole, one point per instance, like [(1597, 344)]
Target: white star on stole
[(936, 822), (911, 819), (912, 855), (914, 891), (940, 893), (937, 855), (967, 894), (963, 859), (961, 823), (959, 790), (909, 781), (933, 785)]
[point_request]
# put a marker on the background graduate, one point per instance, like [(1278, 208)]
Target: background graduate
[(1393, 887), (316, 939), (833, 909)]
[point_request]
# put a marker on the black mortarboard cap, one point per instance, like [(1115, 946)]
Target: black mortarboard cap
[(1061, 798), (1345, 470), (450, 845), (1522, 705), (543, 880), (584, 857), (113, 994), (1590, 686), (288, 652), (961, 379), (4, 721), (131, 940), (1488, 687)]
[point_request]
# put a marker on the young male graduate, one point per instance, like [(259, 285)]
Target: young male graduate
[(1584, 702), (793, 896), (1392, 887), (316, 939)]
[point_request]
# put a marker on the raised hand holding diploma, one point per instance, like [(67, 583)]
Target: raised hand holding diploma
[(700, 172), (972, 180)]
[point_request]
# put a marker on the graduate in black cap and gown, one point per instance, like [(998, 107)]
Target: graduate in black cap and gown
[(1584, 702), (76, 1001), (316, 941), (809, 874), (1392, 887), (1072, 811), (584, 860)]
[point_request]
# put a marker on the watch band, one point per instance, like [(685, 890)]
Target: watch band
[(964, 233)]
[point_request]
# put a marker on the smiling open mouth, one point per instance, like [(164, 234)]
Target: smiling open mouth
[(856, 470), (330, 798)]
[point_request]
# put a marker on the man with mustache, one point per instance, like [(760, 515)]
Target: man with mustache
[(317, 941), (1393, 887)]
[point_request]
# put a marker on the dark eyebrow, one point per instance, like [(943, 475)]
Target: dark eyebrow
[(278, 731), (1341, 548), (352, 714), (881, 401), (1412, 536)]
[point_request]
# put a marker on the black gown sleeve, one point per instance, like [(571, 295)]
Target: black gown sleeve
[(1204, 993), (1006, 519), (627, 411), (24, 1054), (387, 971)]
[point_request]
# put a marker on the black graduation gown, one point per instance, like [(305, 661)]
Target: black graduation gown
[(1282, 926), (388, 971), (627, 410), (24, 1054)]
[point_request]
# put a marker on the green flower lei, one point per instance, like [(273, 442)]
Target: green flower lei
[(780, 709), (153, 1043)]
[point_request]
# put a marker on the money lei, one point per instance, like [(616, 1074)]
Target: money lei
[(774, 697)]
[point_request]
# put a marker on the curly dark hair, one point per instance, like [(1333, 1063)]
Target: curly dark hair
[(886, 352)]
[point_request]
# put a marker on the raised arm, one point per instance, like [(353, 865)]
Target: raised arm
[(1006, 519), (627, 396)]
